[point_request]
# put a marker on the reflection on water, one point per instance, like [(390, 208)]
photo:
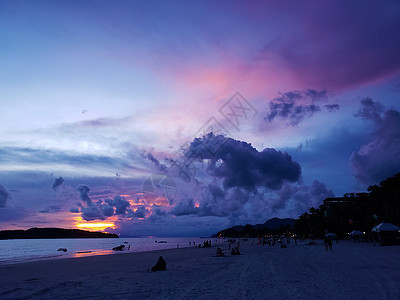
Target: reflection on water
[(92, 253)]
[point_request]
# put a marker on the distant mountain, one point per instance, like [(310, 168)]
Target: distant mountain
[(271, 226), (52, 233), (276, 223)]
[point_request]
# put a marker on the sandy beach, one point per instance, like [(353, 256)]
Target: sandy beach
[(350, 271)]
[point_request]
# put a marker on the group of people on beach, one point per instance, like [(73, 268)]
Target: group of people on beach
[(206, 244), (234, 251)]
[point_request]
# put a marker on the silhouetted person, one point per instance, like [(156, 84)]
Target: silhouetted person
[(330, 244), (326, 243), (160, 265), (220, 253), (235, 251)]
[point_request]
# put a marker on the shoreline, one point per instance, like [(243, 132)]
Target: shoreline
[(86, 254), (76, 249)]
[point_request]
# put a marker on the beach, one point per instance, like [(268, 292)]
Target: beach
[(351, 270)]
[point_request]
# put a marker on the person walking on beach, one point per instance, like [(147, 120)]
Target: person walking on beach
[(330, 244), (326, 243)]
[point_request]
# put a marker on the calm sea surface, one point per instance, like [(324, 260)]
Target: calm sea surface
[(12, 251)]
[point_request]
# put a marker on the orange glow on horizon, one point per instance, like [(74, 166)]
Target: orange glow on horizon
[(98, 226)]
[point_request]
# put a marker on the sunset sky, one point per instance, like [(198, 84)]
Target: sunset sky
[(106, 108)]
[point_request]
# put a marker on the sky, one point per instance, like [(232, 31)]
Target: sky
[(181, 118)]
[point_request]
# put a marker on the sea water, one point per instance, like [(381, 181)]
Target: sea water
[(21, 250)]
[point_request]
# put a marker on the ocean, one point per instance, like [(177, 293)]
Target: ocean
[(22, 250)]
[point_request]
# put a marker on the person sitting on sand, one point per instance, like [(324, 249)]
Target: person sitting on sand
[(160, 265), (235, 251), (220, 253)]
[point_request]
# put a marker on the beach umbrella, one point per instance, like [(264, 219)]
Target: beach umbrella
[(356, 233), (385, 227), (329, 234)]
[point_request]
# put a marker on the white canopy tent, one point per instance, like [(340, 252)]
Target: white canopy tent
[(355, 233), (385, 227), (332, 235)]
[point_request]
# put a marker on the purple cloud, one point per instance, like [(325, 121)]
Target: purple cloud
[(238, 164), (57, 183), (380, 158), (332, 107), (295, 106), (100, 210), (341, 43)]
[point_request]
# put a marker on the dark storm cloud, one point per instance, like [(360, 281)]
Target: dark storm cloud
[(380, 158), (92, 212), (295, 106), (4, 196), (140, 212), (242, 176), (105, 208), (100, 210), (302, 197), (186, 207), (121, 204), (238, 164), (84, 193), (205, 208), (57, 183)]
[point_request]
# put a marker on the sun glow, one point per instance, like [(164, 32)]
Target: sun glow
[(98, 226)]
